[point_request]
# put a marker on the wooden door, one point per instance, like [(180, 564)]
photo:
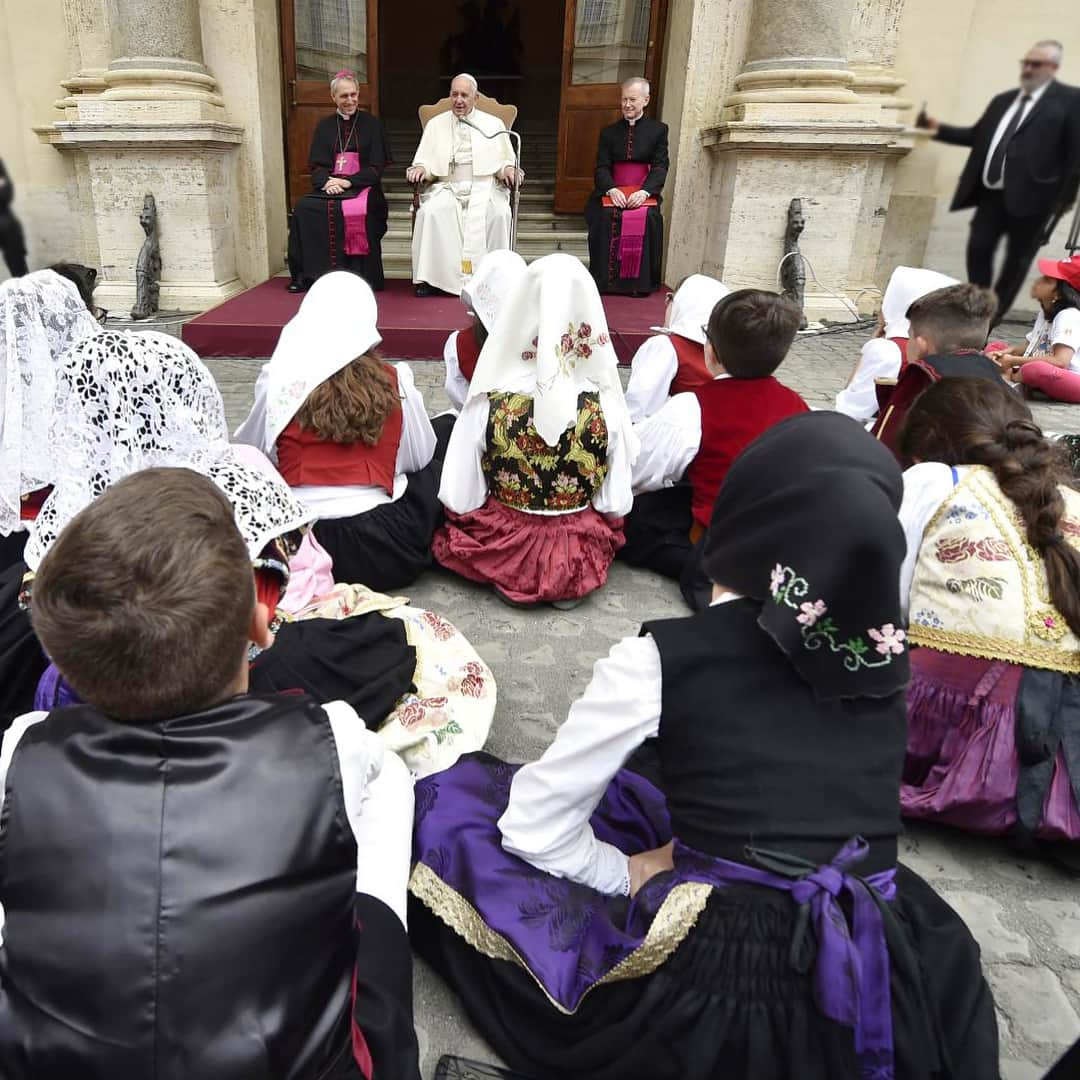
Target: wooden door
[(605, 42), (318, 39)]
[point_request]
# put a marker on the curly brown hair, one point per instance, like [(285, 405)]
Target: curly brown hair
[(353, 405), (978, 422)]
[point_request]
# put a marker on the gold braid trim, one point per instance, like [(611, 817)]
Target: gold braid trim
[(677, 916), (994, 648)]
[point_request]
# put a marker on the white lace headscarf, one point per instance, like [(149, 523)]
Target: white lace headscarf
[(486, 291), (335, 325), (41, 316), (552, 335), (127, 402), (906, 285), (692, 305)]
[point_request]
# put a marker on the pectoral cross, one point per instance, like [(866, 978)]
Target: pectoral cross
[(341, 162)]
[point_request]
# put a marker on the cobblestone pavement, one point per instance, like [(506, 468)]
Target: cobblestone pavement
[(1024, 913)]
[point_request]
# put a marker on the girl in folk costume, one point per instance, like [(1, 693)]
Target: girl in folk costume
[(127, 402), (992, 580), (751, 920), (885, 353), (674, 360), (41, 316), (483, 296), (1049, 358), (537, 473), (350, 434)]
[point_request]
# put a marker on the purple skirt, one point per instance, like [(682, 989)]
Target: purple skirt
[(963, 766)]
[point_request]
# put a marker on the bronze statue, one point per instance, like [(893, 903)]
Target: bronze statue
[(793, 270), (148, 268)]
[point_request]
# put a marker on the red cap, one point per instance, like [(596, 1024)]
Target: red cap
[(1067, 270)]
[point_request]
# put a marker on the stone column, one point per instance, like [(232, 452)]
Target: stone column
[(160, 127), (796, 127)]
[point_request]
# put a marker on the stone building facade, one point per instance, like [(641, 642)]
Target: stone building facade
[(767, 100)]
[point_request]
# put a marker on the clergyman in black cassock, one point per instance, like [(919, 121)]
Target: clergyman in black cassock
[(317, 226), (646, 142)]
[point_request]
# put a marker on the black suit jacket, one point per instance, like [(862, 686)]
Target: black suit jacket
[(1042, 162), (649, 147)]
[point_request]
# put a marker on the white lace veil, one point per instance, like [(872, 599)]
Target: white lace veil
[(486, 291), (126, 402), (41, 316)]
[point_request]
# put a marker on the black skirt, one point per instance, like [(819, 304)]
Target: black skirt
[(365, 660), (22, 663), (11, 549), (317, 239), (389, 547), (728, 1002), (604, 225)]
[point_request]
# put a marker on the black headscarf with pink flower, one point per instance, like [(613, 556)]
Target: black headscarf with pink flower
[(806, 523)]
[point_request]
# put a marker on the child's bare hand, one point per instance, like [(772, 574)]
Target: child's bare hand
[(647, 864)]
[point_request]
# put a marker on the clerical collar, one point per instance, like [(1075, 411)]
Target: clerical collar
[(344, 117), (467, 116), (634, 121)]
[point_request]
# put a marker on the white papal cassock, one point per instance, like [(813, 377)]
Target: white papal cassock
[(466, 212)]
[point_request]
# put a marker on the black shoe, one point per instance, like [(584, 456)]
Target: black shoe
[(424, 289), (295, 286)]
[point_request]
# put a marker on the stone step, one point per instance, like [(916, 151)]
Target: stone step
[(534, 185), (536, 221), (397, 265), (531, 201)]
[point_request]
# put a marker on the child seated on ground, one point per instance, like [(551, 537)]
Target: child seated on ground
[(700, 434), (537, 471), (991, 576), (673, 361), (196, 881), (1049, 358), (350, 434), (949, 328), (483, 296), (884, 355)]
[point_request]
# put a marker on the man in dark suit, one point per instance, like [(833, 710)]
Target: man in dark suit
[(1023, 169), (626, 235), (12, 243)]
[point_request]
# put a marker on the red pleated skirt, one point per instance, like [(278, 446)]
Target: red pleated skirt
[(530, 557)]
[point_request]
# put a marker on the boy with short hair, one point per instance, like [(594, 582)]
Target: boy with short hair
[(700, 433), (949, 328), (195, 881)]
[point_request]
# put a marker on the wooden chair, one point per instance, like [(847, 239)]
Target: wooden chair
[(506, 113)]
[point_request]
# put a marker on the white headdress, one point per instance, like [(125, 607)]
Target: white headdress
[(908, 284), (552, 334), (486, 291), (126, 402), (692, 306), (41, 316), (335, 325)]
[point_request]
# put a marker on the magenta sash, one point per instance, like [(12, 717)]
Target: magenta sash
[(632, 229), (354, 210)]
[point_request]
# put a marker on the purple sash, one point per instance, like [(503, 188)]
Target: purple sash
[(569, 937), (354, 209), (632, 228)]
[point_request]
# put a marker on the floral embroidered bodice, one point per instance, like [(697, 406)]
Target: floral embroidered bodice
[(980, 588), (523, 472)]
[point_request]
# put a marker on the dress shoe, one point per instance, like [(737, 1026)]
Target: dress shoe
[(295, 286), (424, 289)]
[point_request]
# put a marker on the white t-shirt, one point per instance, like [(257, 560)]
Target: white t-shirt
[(1064, 330)]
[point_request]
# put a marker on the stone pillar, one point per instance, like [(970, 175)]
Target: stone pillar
[(796, 126), (157, 126)]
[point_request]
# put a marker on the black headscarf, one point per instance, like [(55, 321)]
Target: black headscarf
[(806, 523)]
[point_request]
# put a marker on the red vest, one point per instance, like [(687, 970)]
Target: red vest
[(692, 371), (468, 352), (307, 458), (734, 412), (901, 344)]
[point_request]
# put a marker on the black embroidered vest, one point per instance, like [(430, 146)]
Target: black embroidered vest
[(178, 897), (749, 756), (523, 472)]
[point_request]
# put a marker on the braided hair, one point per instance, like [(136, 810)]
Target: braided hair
[(962, 421)]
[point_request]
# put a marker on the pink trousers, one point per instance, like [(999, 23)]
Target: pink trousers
[(1061, 384)]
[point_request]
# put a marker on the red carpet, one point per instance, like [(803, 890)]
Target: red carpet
[(412, 329)]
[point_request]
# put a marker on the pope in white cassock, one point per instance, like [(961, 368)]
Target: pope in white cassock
[(466, 211)]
